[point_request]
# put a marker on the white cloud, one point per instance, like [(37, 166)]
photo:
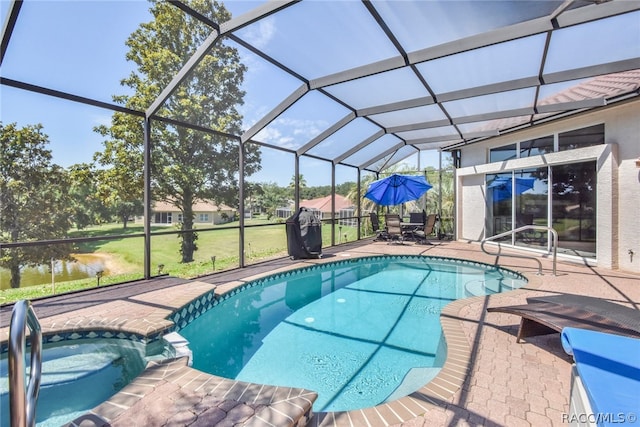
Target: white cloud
[(275, 137), (261, 34), (302, 128), (289, 133)]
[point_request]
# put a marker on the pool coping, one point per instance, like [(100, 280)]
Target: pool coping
[(169, 392), (437, 392)]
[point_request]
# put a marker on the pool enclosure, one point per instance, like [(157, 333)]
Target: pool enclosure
[(196, 126)]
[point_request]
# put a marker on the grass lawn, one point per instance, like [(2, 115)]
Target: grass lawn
[(221, 242), (124, 257)]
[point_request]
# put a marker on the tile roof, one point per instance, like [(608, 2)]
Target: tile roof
[(606, 86), (199, 206), (323, 204)]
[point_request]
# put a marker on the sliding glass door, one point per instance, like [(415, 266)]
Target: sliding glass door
[(574, 207), (521, 197), (531, 206), (499, 204)]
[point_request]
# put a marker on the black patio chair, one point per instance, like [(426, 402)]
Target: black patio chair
[(381, 234)]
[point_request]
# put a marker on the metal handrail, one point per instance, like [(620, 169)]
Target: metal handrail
[(525, 227), (23, 401)]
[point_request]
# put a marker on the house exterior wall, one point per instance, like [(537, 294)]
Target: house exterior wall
[(618, 178), (214, 217), (472, 190), (625, 132)]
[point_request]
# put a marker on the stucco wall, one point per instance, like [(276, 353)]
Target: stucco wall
[(472, 190), (618, 196), (623, 128)]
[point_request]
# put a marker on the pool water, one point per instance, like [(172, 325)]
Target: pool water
[(77, 376), (359, 333)]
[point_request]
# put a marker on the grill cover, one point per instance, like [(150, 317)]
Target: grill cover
[(304, 235)]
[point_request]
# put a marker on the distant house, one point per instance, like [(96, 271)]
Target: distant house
[(205, 212), (322, 209), (284, 212)]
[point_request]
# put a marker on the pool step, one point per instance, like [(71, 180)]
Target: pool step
[(478, 287), (67, 364), (181, 346), (415, 378)]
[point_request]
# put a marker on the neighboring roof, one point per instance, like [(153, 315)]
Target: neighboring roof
[(323, 204), (601, 89), (200, 206), (607, 87)]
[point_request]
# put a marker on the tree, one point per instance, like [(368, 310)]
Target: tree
[(86, 206), (120, 180), (252, 191), (33, 201), (302, 181), (187, 165), (366, 205), (272, 198)]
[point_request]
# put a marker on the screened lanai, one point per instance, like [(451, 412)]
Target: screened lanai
[(227, 112)]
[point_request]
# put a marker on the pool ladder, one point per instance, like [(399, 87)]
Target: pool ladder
[(525, 227), (24, 397)]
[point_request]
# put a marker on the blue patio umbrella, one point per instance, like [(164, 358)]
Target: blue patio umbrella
[(502, 187), (396, 189)]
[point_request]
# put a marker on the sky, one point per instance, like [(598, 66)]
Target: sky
[(78, 46)]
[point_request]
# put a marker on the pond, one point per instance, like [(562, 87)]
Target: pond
[(84, 266)]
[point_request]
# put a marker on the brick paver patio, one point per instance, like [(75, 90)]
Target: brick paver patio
[(489, 379)]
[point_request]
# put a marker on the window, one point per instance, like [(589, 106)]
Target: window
[(537, 146), (586, 137), (203, 217), (162, 218), (500, 154)]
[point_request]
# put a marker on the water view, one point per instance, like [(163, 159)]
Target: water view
[(84, 266)]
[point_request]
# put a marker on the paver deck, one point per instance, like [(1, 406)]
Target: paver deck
[(488, 378)]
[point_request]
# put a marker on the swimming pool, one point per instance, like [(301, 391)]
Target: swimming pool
[(359, 332), (77, 376)]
